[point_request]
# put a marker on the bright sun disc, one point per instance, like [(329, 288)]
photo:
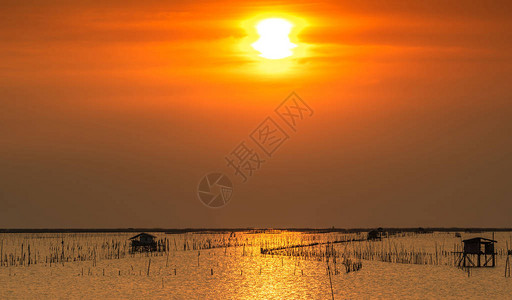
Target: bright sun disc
[(274, 42)]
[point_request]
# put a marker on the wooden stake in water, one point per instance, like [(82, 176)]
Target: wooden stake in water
[(507, 267), (507, 263), (330, 280)]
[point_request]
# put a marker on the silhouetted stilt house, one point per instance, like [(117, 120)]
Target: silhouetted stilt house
[(375, 235), (143, 242), (478, 252)]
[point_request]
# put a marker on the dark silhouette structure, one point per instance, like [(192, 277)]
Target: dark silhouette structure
[(375, 235), (478, 252), (143, 242)]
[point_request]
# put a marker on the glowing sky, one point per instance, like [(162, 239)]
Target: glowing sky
[(110, 113)]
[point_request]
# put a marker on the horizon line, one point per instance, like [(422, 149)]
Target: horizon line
[(239, 229)]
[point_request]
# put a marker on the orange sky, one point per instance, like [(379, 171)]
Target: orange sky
[(110, 113)]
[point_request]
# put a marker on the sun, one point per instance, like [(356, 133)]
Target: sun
[(274, 41)]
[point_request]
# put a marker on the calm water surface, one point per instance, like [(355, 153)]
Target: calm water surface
[(243, 273)]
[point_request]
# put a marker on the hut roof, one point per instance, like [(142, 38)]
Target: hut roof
[(142, 234), (479, 240)]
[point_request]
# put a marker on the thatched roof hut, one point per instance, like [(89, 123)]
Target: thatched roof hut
[(143, 242)]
